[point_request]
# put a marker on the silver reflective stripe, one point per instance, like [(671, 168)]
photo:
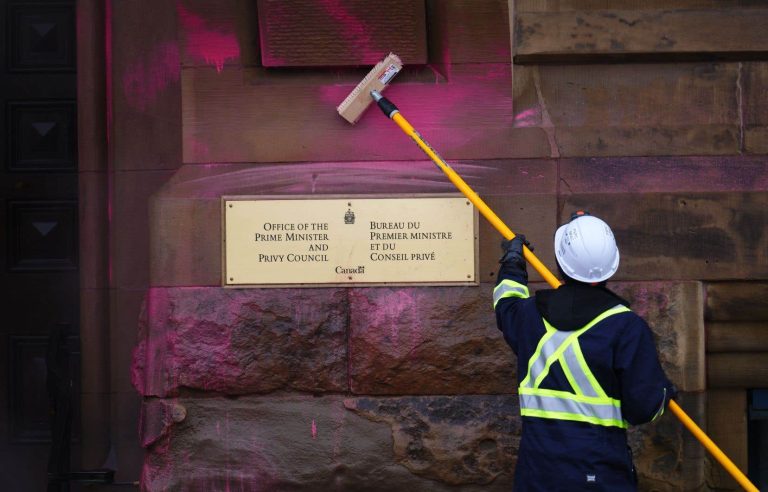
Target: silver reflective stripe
[(577, 372), (570, 406), (540, 364), (503, 291), (660, 411)]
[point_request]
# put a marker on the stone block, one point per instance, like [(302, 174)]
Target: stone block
[(619, 175), (531, 215), (466, 117), (241, 341), (740, 336), (444, 341), (626, 110), (458, 440), (678, 236), (737, 301), (673, 310), (130, 254), (185, 241), (146, 93), (416, 443), (328, 443), (221, 34), (593, 5), (741, 370), (427, 341), (755, 107), (639, 34), (727, 427), (468, 31)]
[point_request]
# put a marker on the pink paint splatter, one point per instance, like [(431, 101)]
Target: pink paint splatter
[(355, 31), (213, 45), (314, 429), (529, 117), (144, 80), (399, 311)]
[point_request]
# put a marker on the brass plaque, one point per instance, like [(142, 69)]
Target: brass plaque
[(351, 240)]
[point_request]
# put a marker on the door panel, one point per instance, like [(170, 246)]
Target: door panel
[(39, 278)]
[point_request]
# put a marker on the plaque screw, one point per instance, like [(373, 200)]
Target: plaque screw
[(350, 278), (231, 279), (230, 205)]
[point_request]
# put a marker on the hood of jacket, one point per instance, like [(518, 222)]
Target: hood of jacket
[(575, 304)]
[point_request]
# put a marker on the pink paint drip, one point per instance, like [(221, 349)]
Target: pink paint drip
[(314, 429), (213, 45)]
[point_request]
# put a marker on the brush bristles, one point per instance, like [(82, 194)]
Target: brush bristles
[(377, 79)]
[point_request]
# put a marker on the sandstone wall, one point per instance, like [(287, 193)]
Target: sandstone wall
[(623, 108)]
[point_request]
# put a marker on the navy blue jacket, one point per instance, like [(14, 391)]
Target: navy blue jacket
[(562, 455)]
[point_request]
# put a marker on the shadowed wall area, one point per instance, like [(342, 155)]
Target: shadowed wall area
[(650, 115)]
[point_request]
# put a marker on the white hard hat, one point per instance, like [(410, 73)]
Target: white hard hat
[(586, 249)]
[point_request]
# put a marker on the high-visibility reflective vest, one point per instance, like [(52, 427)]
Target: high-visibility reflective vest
[(587, 401)]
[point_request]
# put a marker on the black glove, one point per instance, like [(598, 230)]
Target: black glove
[(513, 251), (512, 261)]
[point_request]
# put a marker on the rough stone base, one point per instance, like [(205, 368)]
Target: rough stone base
[(331, 443), (441, 443)]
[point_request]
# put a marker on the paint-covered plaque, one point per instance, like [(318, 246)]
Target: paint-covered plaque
[(349, 240)]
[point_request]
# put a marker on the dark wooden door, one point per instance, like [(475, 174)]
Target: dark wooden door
[(39, 289)]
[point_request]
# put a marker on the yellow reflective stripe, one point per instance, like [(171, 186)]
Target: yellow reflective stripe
[(593, 400), (509, 288), (555, 404), (550, 332), (575, 417), (585, 368), (614, 310)]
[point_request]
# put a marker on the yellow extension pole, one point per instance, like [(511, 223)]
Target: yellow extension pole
[(472, 196), (505, 231)]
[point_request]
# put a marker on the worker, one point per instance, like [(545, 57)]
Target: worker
[(587, 365)]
